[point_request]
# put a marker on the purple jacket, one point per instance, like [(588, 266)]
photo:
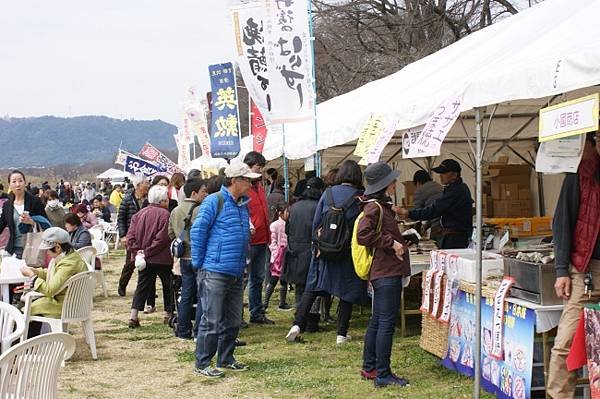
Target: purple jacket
[(149, 232)]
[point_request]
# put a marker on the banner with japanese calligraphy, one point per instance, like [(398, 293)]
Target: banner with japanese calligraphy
[(136, 165), (225, 127), (183, 151), (569, 118), (154, 155), (290, 60), (429, 141), (509, 377), (258, 128), (251, 52)]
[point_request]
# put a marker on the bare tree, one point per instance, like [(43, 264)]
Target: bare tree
[(358, 41)]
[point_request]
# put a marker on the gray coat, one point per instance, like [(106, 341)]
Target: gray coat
[(81, 238), (426, 194)]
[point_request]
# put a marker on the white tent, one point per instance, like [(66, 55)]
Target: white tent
[(544, 54), (113, 174), (551, 48)]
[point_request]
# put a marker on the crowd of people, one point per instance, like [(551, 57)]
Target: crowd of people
[(218, 237), (208, 240)]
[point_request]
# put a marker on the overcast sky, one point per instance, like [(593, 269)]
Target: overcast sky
[(120, 58)]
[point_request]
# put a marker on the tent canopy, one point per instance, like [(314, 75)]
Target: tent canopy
[(518, 63), (113, 174)]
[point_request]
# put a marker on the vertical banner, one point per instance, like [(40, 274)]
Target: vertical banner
[(251, 53), (195, 118), (509, 377), (183, 147), (258, 128), (290, 60), (122, 157), (225, 127)]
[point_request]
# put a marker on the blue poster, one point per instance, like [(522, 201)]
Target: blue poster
[(224, 126), (509, 377), (135, 165)]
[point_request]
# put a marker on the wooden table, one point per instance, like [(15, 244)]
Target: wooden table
[(418, 264)]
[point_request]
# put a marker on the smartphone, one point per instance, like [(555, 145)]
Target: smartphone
[(25, 213)]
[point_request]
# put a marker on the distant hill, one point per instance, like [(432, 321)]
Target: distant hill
[(48, 140)]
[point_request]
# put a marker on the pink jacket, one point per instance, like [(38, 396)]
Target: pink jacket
[(278, 244)]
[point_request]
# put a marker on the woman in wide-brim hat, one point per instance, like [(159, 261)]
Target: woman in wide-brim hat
[(390, 264)]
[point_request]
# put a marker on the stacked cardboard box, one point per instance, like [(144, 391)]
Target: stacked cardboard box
[(409, 193), (509, 190)]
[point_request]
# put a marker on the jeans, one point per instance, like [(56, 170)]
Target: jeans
[(147, 279), (222, 297), (189, 293), (380, 332), (256, 277)]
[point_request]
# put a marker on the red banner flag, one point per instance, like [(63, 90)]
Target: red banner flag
[(258, 129)]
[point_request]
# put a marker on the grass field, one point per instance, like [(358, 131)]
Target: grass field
[(150, 362)]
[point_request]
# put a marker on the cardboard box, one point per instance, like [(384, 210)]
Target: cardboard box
[(498, 175), (409, 188), (487, 206), (509, 191), (524, 194), (512, 208)]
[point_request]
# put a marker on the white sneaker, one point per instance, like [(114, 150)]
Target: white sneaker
[(293, 333), (342, 340), (149, 309)]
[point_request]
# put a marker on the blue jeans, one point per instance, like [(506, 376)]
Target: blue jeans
[(189, 294), (221, 318), (380, 332), (256, 277)]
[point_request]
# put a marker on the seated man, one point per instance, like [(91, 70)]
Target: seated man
[(65, 263)]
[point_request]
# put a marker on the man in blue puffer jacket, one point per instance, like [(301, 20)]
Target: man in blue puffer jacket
[(219, 238)]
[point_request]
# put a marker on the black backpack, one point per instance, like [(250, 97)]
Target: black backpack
[(335, 232)]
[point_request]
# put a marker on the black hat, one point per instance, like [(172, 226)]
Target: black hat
[(379, 175), (448, 165)]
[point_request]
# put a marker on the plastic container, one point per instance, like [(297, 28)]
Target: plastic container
[(492, 265)]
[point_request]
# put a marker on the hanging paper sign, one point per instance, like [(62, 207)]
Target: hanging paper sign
[(135, 165), (225, 127), (561, 155), (153, 154), (258, 128), (409, 138), (309, 164), (250, 45), (369, 135), (430, 140), (427, 287), (569, 118), (452, 274), (183, 153), (382, 140), (437, 292), (290, 60), (498, 318)]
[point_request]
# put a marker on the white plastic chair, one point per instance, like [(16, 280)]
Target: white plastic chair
[(101, 251), (88, 254), (77, 307), (12, 325), (30, 369), (97, 232), (111, 232)]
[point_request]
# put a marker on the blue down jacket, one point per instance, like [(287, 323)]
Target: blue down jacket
[(220, 239)]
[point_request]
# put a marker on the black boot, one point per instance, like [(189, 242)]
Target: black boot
[(282, 297), (268, 293)]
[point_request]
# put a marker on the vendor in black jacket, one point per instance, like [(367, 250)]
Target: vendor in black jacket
[(454, 207)]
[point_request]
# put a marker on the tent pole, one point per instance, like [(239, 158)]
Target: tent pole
[(286, 172), (542, 202), (478, 258)]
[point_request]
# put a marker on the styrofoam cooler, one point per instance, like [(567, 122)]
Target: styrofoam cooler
[(492, 265)]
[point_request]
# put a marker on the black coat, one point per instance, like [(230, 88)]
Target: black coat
[(129, 207), (299, 232), (32, 204)]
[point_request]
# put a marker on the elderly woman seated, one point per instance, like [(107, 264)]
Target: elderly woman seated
[(65, 263)]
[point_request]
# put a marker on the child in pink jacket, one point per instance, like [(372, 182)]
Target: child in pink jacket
[(278, 247)]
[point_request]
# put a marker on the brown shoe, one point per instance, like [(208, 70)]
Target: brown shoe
[(134, 323)]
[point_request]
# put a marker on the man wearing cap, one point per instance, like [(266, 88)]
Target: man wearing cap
[(65, 263), (454, 207), (219, 239)]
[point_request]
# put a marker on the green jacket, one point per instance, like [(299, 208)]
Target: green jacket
[(176, 224), (50, 305)]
